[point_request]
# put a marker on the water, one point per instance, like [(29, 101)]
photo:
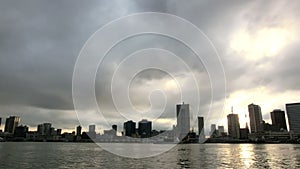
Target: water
[(89, 155)]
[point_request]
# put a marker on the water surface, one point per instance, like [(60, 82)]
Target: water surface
[(89, 155)]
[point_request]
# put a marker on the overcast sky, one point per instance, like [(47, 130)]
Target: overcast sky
[(257, 42)]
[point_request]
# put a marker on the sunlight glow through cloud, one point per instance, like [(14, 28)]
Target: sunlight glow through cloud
[(265, 42)]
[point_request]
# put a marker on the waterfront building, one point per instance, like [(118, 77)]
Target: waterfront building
[(92, 131), (278, 119), (233, 125), (11, 123), (78, 130), (145, 128), (256, 122), (129, 128), (21, 131), (115, 127), (213, 130), (92, 128), (183, 120), (201, 128), (293, 113), (40, 129), (44, 129), (244, 132), (270, 127), (221, 131), (58, 132)]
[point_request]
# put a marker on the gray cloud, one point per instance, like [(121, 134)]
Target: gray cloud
[(40, 41)]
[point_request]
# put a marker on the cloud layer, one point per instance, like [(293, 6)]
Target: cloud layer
[(40, 42)]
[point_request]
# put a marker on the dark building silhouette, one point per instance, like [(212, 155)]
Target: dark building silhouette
[(145, 128), (78, 130), (183, 120), (270, 127), (213, 130), (58, 132), (40, 129), (201, 127), (20, 131), (44, 129), (129, 128), (256, 122), (244, 133), (11, 123), (115, 127), (293, 113), (47, 129), (278, 118), (233, 125)]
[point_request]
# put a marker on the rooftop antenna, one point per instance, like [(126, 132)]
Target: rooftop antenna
[(231, 109)]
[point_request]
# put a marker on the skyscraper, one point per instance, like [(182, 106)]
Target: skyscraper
[(233, 125), (78, 130), (40, 129), (47, 129), (201, 127), (213, 129), (293, 113), (256, 122), (115, 127), (221, 130), (44, 129), (92, 131), (278, 118), (11, 123), (183, 120), (145, 128), (129, 128), (92, 128)]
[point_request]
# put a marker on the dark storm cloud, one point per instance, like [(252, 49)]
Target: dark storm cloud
[(39, 44)]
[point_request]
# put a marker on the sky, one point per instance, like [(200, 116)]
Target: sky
[(40, 41)]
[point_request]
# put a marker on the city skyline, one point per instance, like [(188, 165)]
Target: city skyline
[(232, 119), (37, 60)]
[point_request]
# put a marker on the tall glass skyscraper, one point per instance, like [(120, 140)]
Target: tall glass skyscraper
[(293, 113), (183, 120)]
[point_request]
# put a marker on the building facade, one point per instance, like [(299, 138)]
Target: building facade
[(278, 119), (78, 130), (293, 113), (201, 127), (256, 121), (129, 128), (213, 130), (233, 125), (183, 120), (145, 128), (11, 123)]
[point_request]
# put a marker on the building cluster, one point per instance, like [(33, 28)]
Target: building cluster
[(259, 131), (132, 132)]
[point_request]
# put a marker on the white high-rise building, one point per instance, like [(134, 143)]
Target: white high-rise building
[(183, 120), (256, 122), (233, 125)]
